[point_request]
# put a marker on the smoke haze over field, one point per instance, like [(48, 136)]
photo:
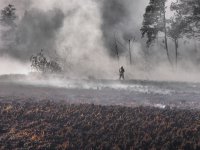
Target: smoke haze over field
[(81, 35)]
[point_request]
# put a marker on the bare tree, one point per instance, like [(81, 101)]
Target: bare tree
[(40, 63)]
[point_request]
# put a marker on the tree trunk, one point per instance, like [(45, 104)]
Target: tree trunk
[(166, 43), (117, 53), (176, 50), (116, 49), (195, 42), (130, 57)]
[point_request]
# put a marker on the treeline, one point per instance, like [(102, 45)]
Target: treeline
[(183, 24)]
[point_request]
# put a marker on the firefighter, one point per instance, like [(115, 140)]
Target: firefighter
[(121, 73)]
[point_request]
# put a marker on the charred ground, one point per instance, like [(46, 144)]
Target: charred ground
[(47, 124)]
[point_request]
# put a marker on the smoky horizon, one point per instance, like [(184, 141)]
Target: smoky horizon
[(92, 39)]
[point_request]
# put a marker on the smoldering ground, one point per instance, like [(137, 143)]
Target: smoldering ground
[(82, 36)]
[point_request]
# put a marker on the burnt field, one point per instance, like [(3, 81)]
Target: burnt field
[(44, 124)]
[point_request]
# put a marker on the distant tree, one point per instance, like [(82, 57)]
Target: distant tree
[(116, 48), (8, 15), (195, 17), (130, 39), (175, 31), (193, 20), (189, 26), (178, 24), (190, 10), (155, 22)]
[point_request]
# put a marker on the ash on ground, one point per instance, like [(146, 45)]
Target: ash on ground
[(32, 124)]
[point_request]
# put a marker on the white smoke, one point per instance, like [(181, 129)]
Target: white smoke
[(13, 66), (79, 39), (79, 42)]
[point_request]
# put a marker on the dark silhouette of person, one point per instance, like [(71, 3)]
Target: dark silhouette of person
[(121, 73)]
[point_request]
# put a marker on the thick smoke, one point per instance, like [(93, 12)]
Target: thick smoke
[(81, 35), (121, 20), (36, 30), (67, 30), (80, 41)]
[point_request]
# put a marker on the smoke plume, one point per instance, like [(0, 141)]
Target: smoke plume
[(82, 36)]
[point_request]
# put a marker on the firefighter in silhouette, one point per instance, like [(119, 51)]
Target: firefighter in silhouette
[(121, 73)]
